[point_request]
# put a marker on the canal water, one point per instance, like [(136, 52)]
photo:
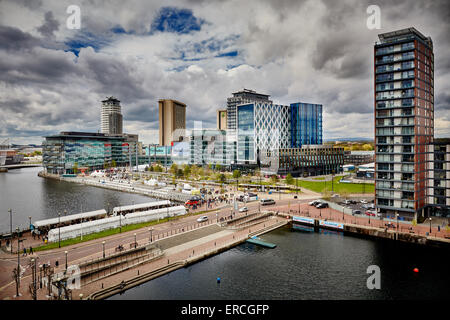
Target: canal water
[(29, 195), (306, 265)]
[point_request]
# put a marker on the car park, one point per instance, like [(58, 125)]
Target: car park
[(202, 219)]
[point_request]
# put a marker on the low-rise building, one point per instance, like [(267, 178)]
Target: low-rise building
[(66, 152), (309, 160)]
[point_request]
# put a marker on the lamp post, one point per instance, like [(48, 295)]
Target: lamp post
[(59, 229), (430, 225), (397, 224), (135, 242), (103, 243), (18, 258), (151, 234), (30, 222), (66, 258), (10, 223)]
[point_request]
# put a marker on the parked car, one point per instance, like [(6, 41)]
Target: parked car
[(192, 202), (314, 202), (363, 201), (356, 212), (243, 209), (202, 219), (370, 213), (266, 202), (322, 205)]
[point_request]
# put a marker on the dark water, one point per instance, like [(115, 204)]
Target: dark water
[(29, 195), (307, 266)]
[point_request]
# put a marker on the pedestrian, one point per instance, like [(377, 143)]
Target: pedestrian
[(24, 252), (31, 250)]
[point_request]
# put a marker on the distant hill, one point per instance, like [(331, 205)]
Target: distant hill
[(348, 139)]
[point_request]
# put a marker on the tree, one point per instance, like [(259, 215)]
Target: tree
[(326, 194), (179, 173), (222, 178), (187, 171), (218, 167), (274, 179), (75, 168), (173, 169), (367, 147), (344, 194), (289, 179), (113, 163), (236, 174)]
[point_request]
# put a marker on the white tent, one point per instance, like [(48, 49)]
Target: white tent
[(77, 230)]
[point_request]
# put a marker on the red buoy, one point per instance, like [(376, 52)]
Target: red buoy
[(416, 270)]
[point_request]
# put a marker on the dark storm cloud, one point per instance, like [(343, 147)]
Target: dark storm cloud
[(112, 75), (442, 101), (50, 25), (15, 39)]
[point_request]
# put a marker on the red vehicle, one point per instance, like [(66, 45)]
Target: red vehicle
[(370, 213), (192, 202)]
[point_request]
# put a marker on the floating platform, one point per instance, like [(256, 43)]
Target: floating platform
[(261, 243)]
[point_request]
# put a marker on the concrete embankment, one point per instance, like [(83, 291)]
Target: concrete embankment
[(371, 232), (137, 280), (158, 194)]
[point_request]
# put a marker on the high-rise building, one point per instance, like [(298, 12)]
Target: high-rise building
[(221, 119), (111, 116), (261, 126), (241, 97), (306, 124), (172, 121), (438, 190), (404, 115)]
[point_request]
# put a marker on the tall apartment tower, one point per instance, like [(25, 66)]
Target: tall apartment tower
[(404, 121), (241, 97), (172, 121), (111, 116)]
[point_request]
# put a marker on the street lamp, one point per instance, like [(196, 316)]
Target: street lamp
[(430, 225), (103, 243), (66, 258), (30, 222), (59, 229), (135, 242), (10, 221), (81, 296), (151, 234)]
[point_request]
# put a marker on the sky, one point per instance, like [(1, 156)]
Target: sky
[(53, 78)]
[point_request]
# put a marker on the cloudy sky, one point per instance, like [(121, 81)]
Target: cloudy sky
[(53, 78)]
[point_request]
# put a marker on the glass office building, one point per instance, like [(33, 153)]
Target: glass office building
[(66, 151), (306, 124), (246, 133)]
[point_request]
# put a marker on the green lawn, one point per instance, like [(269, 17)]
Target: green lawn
[(337, 187)]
